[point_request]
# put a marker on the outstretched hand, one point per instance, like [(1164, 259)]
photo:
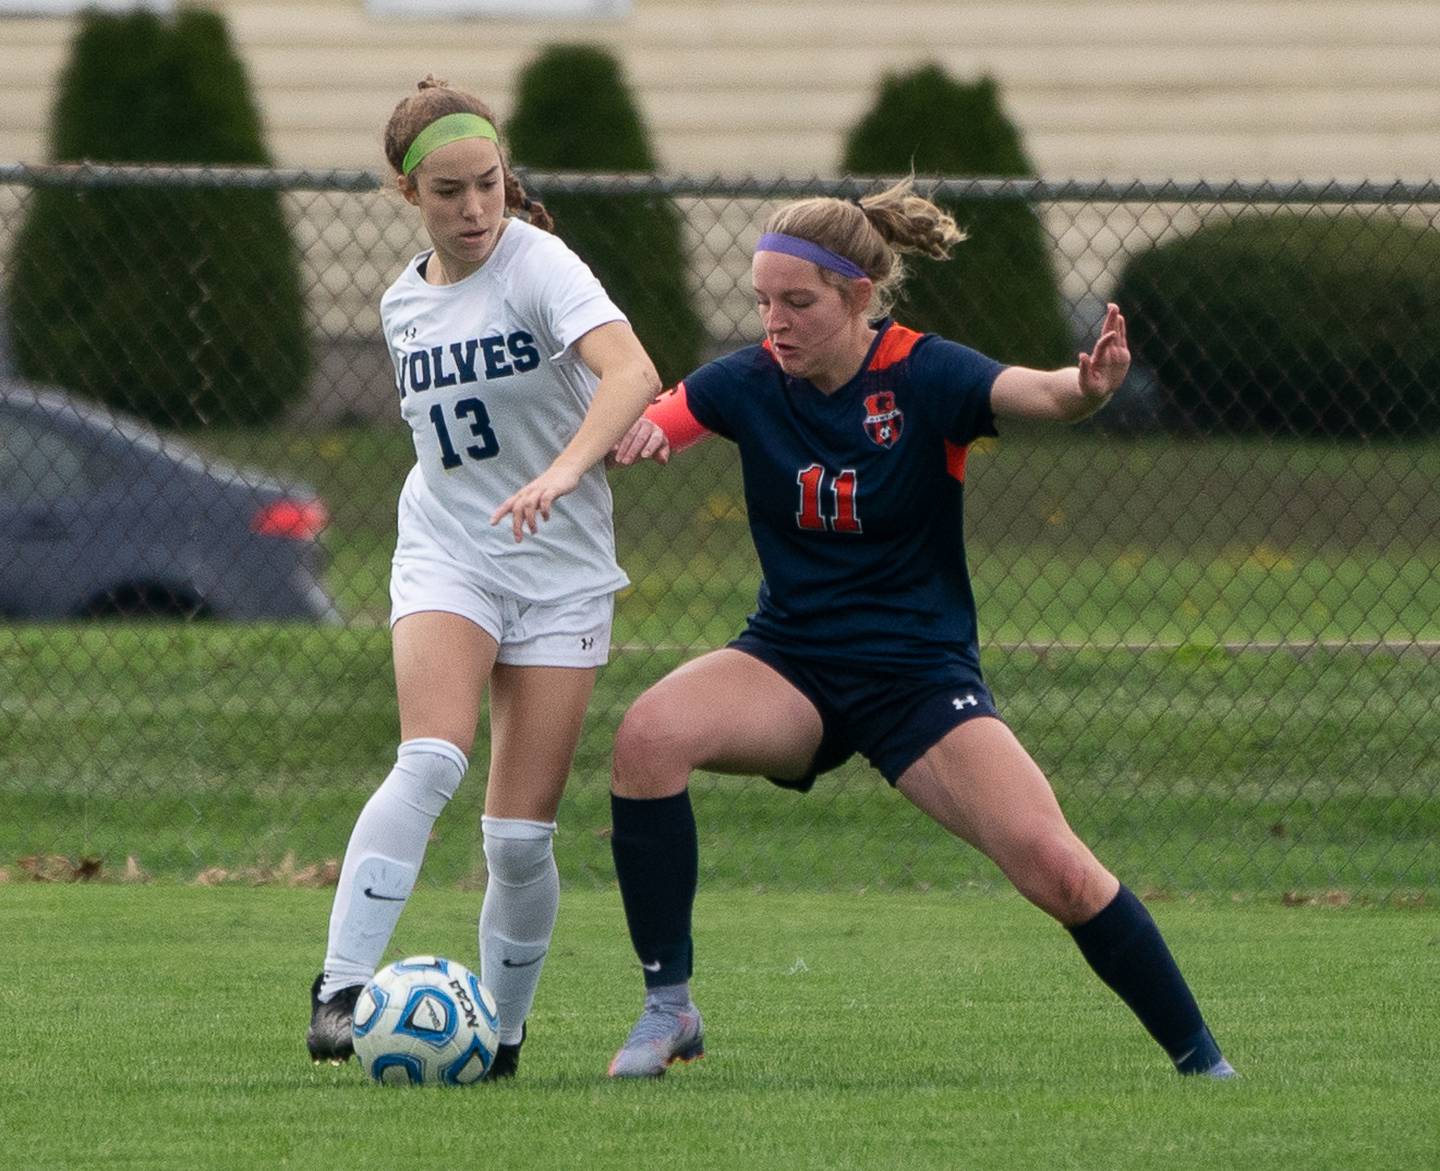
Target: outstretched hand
[(529, 506), (1104, 368)]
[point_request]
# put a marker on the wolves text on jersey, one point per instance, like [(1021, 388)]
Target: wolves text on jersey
[(473, 360)]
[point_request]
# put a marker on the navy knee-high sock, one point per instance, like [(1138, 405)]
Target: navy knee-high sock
[(657, 861), (1124, 946)]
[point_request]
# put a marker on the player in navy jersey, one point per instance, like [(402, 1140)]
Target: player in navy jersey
[(852, 433)]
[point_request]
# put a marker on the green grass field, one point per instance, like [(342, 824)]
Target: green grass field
[(161, 1027), (874, 995)]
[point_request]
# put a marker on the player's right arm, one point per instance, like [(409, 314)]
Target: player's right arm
[(667, 425)]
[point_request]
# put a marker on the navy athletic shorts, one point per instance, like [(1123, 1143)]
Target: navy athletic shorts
[(891, 720)]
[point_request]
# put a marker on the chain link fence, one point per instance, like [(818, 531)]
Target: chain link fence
[(1212, 613)]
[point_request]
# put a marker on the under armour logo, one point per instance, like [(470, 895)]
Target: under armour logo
[(968, 701), (586, 643)]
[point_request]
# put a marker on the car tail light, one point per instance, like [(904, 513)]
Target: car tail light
[(300, 520)]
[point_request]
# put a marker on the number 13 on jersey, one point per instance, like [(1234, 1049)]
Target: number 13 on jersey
[(473, 411), (843, 517)]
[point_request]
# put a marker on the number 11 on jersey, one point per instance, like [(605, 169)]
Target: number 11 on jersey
[(843, 518)]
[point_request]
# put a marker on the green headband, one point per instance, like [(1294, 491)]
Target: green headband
[(444, 131)]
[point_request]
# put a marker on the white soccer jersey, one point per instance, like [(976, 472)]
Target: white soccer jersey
[(493, 390)]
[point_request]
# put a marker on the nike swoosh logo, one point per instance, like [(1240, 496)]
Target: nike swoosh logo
[(652, 966), (509, 963), (370, 894)]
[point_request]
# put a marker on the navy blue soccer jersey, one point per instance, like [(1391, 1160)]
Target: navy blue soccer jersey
[(855, 498)]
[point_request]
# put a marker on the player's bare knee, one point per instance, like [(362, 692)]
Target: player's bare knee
[(1059, 876), (650, 752)]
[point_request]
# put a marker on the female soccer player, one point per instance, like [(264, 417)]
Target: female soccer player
[(852, 435), (517, 375)]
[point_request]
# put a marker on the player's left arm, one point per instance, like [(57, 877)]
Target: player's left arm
[(1070, 394), (628, 384)]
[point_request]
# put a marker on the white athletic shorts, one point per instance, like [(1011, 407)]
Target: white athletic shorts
[(574, 633)]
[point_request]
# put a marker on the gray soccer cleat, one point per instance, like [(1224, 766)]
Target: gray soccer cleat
[(663, 1035), (1221, 1069), (332, 1024)]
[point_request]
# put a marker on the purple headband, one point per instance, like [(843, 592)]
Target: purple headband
[(809, 250)]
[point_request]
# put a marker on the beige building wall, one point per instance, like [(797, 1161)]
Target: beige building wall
[(1100, 88)]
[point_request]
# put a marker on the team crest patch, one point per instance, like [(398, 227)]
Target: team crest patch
[(883, 420)]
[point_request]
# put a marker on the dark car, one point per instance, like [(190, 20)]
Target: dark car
[(100, 515)]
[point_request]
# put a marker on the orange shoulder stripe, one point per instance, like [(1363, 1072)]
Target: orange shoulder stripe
[(894, 347)]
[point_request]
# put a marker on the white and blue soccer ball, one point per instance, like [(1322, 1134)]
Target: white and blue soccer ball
[(426, 1021)]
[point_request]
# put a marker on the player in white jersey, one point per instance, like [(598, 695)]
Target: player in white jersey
[(517, 374)]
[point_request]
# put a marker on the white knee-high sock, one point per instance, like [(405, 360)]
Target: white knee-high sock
[(383, 858), (517, 918)]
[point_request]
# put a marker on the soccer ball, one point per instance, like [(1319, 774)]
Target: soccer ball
[(423, 1021)]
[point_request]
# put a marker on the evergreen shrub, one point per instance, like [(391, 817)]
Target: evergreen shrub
[(998, 292), (574, 112), (1292, 325), (181, 305)]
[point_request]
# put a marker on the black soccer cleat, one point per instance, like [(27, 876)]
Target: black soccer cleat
[(507, 1059), (332, 1024)]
